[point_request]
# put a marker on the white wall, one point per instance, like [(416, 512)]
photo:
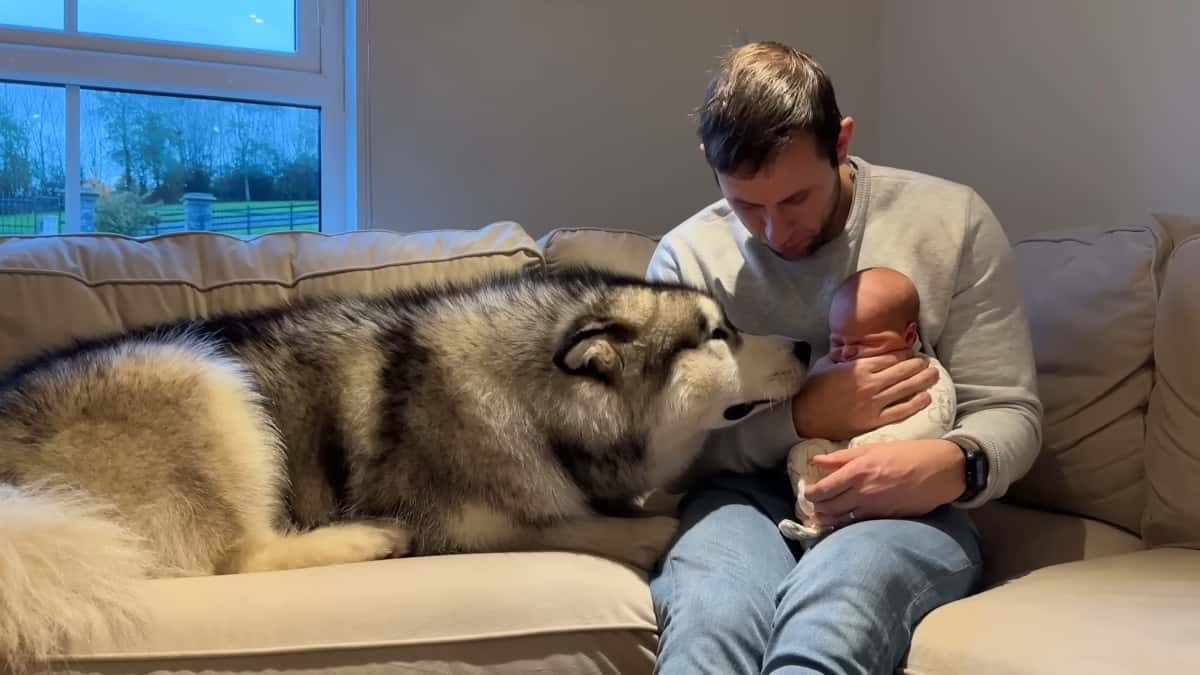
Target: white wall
[(1061, 113), (557, 113)]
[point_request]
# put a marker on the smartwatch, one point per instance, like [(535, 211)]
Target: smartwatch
[(975, 468)]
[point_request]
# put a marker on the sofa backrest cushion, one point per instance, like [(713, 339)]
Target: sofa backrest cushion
[(57, 289), (621, 251), (1172, 515), (1091, 295)]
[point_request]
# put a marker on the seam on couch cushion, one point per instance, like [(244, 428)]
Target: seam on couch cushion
[(532, 254), (548, 240), (558, 230), (336, 646)]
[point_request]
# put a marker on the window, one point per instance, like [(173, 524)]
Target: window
[(221, 115), (48, 15), (33, 158), (268, 25)]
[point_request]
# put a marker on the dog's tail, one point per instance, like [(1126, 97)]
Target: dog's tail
[(67, 574)]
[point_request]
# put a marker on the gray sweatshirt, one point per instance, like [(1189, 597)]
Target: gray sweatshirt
[(946, 239)]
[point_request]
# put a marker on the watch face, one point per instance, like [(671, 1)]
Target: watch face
[(980, 463)]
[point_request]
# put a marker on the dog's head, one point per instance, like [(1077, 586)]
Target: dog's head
[(673, 354)]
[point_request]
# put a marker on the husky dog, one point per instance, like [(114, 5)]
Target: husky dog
[(523, 412)]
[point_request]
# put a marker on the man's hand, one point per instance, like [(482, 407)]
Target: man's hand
[(840, 401), (888, 480)]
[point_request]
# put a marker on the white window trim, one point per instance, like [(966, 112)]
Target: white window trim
[(42, 57), (306, 57), (358, 110)]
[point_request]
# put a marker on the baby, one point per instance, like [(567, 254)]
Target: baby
[(875, 311)]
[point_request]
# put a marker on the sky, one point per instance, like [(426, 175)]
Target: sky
[(246, 24)]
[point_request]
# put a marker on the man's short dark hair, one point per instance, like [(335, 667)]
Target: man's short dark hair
[(764, 95)]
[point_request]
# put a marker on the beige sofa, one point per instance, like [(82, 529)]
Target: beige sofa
[(1093, 564)]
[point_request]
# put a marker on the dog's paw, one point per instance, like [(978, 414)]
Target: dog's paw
[(376, 539), (330, 545), (647, 540)]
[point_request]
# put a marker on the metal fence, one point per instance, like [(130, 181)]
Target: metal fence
[(31, 215), (247, 218), (44, 215)]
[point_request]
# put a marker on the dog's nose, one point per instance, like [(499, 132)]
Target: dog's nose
[(803, 351)]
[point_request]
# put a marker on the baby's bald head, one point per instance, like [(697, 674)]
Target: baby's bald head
[(876, 309)]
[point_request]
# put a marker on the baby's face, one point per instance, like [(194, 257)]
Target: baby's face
[(847, 343)]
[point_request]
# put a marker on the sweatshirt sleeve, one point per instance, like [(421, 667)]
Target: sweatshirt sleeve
[(986, 345), (761, 440)]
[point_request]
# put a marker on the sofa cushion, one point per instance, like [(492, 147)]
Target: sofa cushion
[(1173, 424), (621, 251), (499, 613), (1133, 613), (60, 288), (1018, 540), (1091, 297)]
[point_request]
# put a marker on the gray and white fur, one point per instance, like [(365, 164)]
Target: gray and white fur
[(522, 412)]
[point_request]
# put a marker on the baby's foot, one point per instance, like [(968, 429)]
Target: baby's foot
[(798, 531)]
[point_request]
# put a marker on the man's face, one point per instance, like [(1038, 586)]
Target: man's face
[(791, 203)]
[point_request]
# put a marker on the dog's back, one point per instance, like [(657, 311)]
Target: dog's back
[(487, 416)]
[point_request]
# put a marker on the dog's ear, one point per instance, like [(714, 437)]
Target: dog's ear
[(591, 351)]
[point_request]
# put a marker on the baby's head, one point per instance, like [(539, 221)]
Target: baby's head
[(874, 312)]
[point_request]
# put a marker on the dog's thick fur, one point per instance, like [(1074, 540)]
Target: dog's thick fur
[(523, 412)]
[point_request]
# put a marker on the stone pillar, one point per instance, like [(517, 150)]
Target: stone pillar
[(197, 210), (87, 209)]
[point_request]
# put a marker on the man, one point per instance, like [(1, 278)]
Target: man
[(799, 215)]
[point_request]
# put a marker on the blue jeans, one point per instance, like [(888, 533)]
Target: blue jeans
[(732, 595)]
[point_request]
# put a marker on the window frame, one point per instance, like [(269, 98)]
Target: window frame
[(316, 76)]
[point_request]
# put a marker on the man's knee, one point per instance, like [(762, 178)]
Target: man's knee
[(711, 618), (721, 573), (901, 558), (694, 603), (866, 586)]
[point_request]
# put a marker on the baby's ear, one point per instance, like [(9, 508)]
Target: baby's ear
[(910, 334)]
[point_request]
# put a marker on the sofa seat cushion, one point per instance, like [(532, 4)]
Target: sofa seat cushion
[(1018, 540), (61, 288), (503, 613), (1131, 613)]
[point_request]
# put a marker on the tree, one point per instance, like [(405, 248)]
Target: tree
[(16, 171), (118, 113), (123, 213)]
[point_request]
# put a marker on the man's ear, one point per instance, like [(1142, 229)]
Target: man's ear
[(590, 351), (845, 134)]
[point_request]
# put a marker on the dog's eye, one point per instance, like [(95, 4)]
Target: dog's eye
[(719, 334)]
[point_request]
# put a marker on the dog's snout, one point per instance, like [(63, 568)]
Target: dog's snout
[(803, 351)]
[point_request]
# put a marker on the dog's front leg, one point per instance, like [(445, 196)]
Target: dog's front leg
[(345, 542), (636, 541)]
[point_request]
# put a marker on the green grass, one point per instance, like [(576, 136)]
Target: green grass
[(266, 230)]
